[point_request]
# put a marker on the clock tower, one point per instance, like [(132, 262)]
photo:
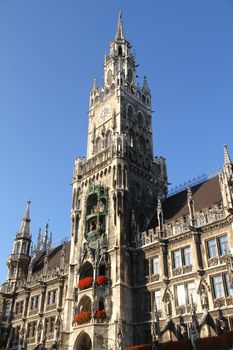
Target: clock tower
[(115, 193)]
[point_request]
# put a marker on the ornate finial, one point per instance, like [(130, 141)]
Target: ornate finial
[(94, 86), (227, 159), (145, 83), (38, 246), (120, 32), (27, 214), (105, 58), (189, 193)]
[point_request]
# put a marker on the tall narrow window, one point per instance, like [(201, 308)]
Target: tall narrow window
[(155, 265), (191, 292), (228, 285), (212, 248), (54, 300), (187, 256), (177, 258), (218, 287), (181, 300), (158, 300), (223, 245)]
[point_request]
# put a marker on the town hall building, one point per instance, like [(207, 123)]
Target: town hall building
[(141, 266)]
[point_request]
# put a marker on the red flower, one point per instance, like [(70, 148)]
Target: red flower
[(100, 314), (139, 347), (101, 280), (85, 282), (83, 317)]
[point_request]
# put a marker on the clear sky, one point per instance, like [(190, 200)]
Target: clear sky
[(50, 50)]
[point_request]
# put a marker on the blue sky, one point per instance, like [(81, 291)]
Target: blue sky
[(50, 52)]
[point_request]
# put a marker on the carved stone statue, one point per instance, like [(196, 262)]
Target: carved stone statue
[(204, 299)]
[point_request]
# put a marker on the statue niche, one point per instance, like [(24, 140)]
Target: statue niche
[(95, 223)]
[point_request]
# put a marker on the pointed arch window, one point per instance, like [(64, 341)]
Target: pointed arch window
[(17, 248), (98, 145), (108, 138), (142, 145), (130, 112)]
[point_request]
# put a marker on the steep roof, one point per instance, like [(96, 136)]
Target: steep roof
[(54, 258), (204, 195)]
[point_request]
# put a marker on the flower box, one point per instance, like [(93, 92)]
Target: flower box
[(101, 280), (85, 282), (83, 317), (139, 347), (100, 314)]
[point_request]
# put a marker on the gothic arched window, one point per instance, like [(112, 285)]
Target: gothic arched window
[(86, 270), (130, 76), (98, 145), (18, 248), (142, 145), (140, 118), (130, 112), (108, 138)]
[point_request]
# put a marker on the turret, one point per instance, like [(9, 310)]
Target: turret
[(226, 181), (19, 260)]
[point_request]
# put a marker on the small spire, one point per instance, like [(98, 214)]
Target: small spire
[(46, 237), (38, 247), (120, 32), (105, 58), (227, 159), (145, 83), (24, 229), (94, 86), (189, 194)]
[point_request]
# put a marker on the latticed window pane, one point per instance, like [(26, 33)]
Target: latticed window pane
[(155, 265), (177, 259), (158, 300), (223, 244), (191, 292), (218, 287), (228, 285), (212, 248), (187, 256), (180, 295)]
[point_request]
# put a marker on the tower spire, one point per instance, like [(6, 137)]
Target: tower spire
[(120, 32), (227, 158), (24, 230)]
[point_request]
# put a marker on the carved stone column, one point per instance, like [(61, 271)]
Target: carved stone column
[(197, 242), (163, 247)]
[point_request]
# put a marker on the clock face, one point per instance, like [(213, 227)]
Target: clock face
[(104, 114)]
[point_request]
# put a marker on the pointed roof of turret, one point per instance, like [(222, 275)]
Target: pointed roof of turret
[(227, 158), (24, 229), (120, 35)]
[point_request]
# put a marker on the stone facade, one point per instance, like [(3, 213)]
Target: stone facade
[(140, 266)]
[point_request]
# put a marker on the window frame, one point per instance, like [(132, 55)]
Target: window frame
[(186, 294), (153, 264), (226, 285), (219, 246), (181, 251)]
